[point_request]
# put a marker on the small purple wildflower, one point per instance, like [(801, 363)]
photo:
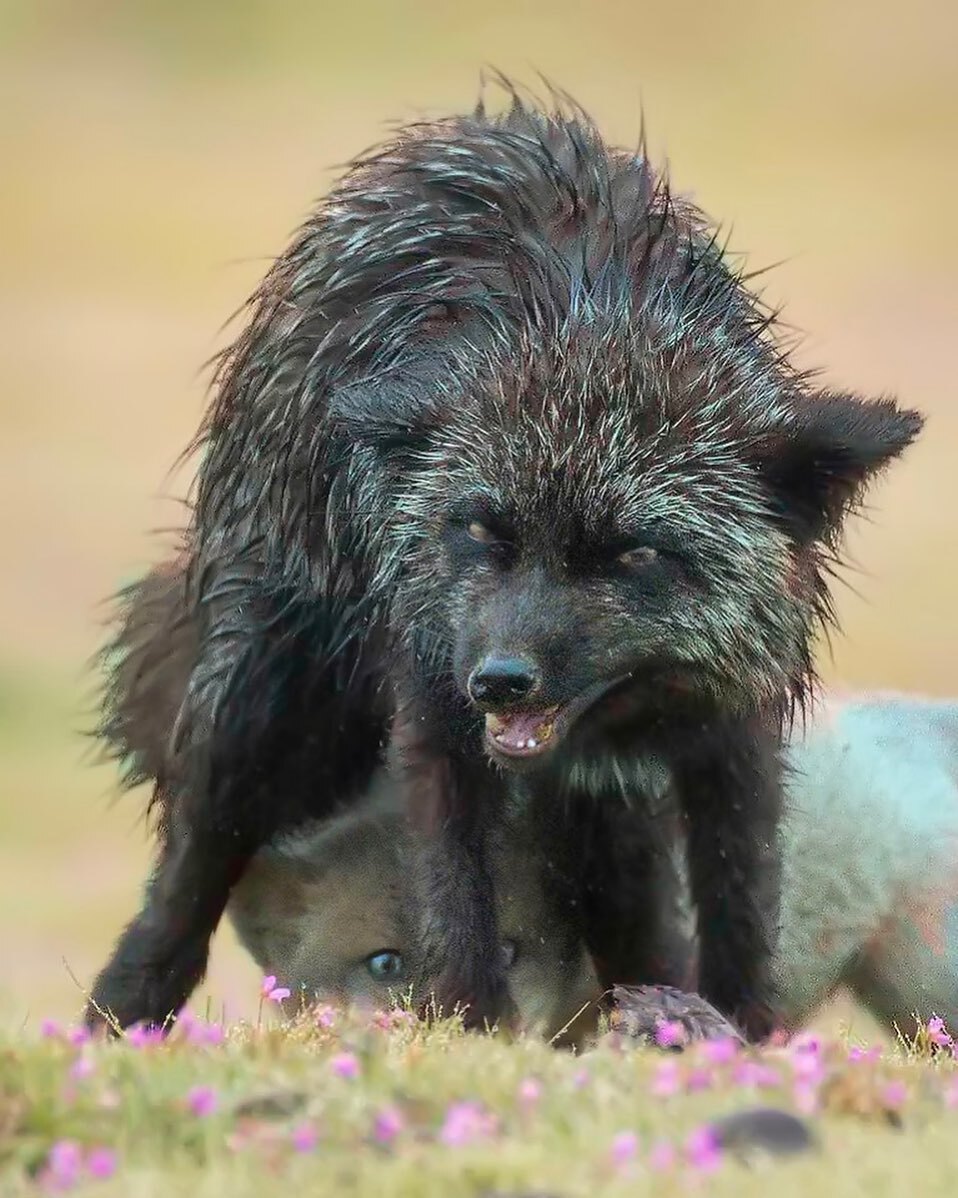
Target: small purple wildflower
[(667, 1080), (805, 1097), (202, 1101), (101, 1163), (720, 1052), (345, 1064), (139, 1036), (62, 1170), (270, 990), (669, 1033), (894, 1095), (702, 1150), (387, 1021), (78, 1036), (865, 1054), (698, 1080), (387, 1125), (465, 1123), (325, 1016), (530, 1091), (580, 1078), (83, 1067), (624, 1148), (305, 1137), (937, 1032), (754, 1073), (50, 1029), (808, 1068)]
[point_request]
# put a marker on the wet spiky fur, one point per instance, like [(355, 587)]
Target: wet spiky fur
[(501, 323)]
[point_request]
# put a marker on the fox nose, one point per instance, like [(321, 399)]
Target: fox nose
[(501, 682)]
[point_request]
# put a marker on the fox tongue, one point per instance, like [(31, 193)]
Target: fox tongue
[(521, 730)]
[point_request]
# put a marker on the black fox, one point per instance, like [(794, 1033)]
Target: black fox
[(869, 846), (510, 475)]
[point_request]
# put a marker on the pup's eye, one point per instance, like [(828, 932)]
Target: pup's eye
[(510, 951), (385, 966), (480, 533), (635, 559)]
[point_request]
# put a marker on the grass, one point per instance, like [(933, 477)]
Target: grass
[(345, 1103)]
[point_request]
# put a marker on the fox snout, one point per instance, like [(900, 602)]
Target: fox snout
[(500, 683)]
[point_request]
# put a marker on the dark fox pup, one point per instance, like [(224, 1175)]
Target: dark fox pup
[(508, 474)]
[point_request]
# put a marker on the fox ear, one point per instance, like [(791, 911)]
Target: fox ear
[(820, 456)]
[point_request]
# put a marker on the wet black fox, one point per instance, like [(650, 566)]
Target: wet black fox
[(509, 477)]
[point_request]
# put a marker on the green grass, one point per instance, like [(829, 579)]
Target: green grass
[(271, 1082)]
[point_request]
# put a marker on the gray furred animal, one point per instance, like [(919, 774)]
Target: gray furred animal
[(511, 470), (869, 899)]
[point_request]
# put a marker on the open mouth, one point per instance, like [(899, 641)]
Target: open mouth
[(518, 734), (523, 733)]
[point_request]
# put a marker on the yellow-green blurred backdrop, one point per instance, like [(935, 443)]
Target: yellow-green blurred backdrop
[(153, 155)]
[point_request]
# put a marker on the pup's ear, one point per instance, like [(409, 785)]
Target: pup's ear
[(820, 455)]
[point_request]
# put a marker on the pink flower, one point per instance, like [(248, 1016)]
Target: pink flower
[(101, 1163), (805, 1097), (202, 1101), (951, 1096), (669, 1033), (667, 1079), (702, 1150), (325, 1016), (465, 1123), (78, 1036), (720, 1052), (305, 1137), (530, 1091), (580, 1078), (82, 1067), (865, 1054), (808, 1068), (624, 1148), (345, 1064), (662, 1157), (937, 1032), (50, 1029), (271, 991), (212, 1033), (387, 1125), (894, 1095), (388, 1020), (62, 1169), (698, 1080), (754, 1073), (139, 1036), (806, 1043)]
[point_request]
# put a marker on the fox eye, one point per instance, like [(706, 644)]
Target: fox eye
[(485, 536), (385, 966), (636, 559)]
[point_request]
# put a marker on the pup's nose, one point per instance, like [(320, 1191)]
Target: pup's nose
[(501, 682)]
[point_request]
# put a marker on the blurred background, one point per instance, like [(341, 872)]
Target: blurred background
[(154, 156)]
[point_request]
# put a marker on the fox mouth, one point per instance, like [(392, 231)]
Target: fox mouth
[(536, 732)]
